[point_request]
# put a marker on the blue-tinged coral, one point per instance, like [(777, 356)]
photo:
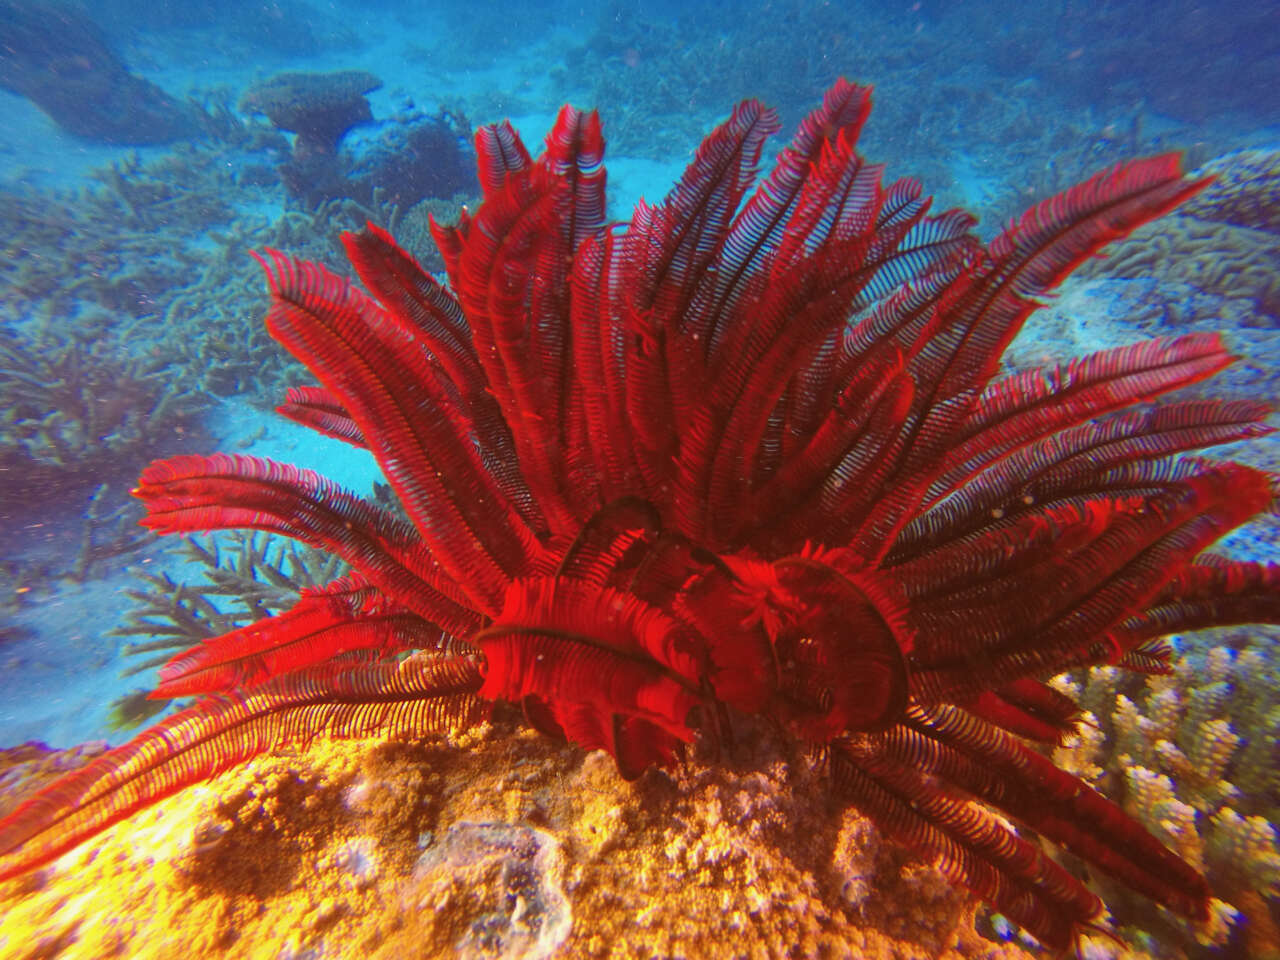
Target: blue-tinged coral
[(74, 404), (318, 109), (242, 577), (418, 156), (1226, 243)]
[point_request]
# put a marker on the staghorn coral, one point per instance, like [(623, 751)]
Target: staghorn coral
[(163, 246), (71, 405), (245, 576), (139, 231)]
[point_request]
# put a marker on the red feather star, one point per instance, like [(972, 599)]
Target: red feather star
[(747, 454)]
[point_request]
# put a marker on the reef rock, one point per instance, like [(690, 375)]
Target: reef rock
[(499, 845), (493, 890), (58, 59)]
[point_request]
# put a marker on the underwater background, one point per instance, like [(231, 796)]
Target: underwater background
[(146, 148)]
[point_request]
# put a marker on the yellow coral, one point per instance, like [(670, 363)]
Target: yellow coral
[(1244, 850), (1152, 801), (1174, 745), (1213, 744)]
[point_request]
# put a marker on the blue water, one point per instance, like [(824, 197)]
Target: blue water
[(138, 166)]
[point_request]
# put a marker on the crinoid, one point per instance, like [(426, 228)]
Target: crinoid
[(745, 455)]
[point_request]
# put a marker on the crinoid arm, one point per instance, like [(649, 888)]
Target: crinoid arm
[(406, 699), (346, 618), (893, 776), (317, 408), (191, 494)]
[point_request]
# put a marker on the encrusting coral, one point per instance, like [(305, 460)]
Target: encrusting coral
[(318, 107), (1245, 191)]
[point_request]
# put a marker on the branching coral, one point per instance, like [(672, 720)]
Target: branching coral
[(1196, 756), (135, 235), (164, 248), (72, 403), (246, 576)]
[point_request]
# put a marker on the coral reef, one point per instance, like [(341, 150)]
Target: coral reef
[(494, 889), (26, 768), (319, 107), (613, 561), (135, 233), (657, 73), (73, 404), (413, 227), (416, 155), (243, 577), (1245, 191), (656, 77), (41, 558), (167, 273), (1187, 63), (419, 156)]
